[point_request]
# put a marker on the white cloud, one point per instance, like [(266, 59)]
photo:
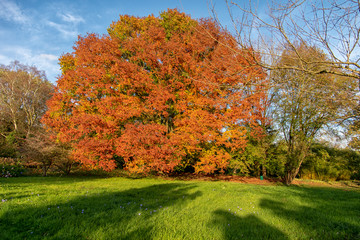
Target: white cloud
[(49, 57), (68, 25), (42, 61), (46, 62), (5, 59), (67, 17), (10, 11), (66, 30)]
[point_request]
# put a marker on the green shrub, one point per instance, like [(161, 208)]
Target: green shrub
[(11, 170), (329, 163), (11, 167)]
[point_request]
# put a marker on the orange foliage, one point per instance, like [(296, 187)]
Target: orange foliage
[(154, 91)]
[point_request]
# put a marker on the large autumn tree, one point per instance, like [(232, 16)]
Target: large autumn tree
[(156, 93)]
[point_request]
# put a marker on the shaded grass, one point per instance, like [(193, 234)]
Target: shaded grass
[(121, 208)]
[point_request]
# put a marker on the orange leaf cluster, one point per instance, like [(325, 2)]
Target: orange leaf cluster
[(154, 91)]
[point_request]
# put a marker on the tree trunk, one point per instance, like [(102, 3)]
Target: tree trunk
[(263, 171), (289, 177), (44, 171), (292, 171), (15, 125)]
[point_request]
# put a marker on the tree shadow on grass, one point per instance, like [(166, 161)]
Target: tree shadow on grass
[(50, 180), (129, 214), (40, 182), (322, 214), (249, 227)]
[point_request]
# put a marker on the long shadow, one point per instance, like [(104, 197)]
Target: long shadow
[(56, 180), (127, 214), (45, 181), (323, 213), (249, 227)]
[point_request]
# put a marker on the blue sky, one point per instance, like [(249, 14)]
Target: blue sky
[(37, 32)]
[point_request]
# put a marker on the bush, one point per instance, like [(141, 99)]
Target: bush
[(42, 150), (10, 168), (329, 163), (8, 146)]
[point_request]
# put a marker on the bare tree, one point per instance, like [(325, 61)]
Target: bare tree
[(24, 91), (331, 25), (46, 152), (302, 103)]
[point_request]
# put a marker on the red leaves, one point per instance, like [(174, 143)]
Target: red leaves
[(147, 147), (155, 91)]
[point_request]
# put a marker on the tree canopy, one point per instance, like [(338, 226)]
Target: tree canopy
[(156, 93), (330, 25), (303, 103), (24, 91)]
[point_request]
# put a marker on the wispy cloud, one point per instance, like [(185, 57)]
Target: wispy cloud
[(66, 30), (48, 62), (49, 57), (43, 61), (5, 59), (38, 33), (67, 17), (66, 24), (10, 11)]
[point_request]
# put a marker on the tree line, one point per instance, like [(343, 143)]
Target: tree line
[(171, 94), (24, 141)]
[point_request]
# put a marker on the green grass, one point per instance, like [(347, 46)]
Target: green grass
[(121, 208)]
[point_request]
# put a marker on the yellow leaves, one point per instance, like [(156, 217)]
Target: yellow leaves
[(67, 62), (175, 22), (236, 135), (128, 27), (212, 160)]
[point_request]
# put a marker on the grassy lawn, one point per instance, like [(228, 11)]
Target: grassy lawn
[(121, 208)]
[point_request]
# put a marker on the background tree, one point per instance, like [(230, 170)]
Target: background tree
[(304, 103), (45, 152), (326, 162), (332, 26), (157, 92), (329, 26), (262, 157), (24, 91)]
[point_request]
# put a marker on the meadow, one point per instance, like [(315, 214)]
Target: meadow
[(124, 208)]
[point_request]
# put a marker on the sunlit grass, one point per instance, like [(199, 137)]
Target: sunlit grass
[(120, 208)]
